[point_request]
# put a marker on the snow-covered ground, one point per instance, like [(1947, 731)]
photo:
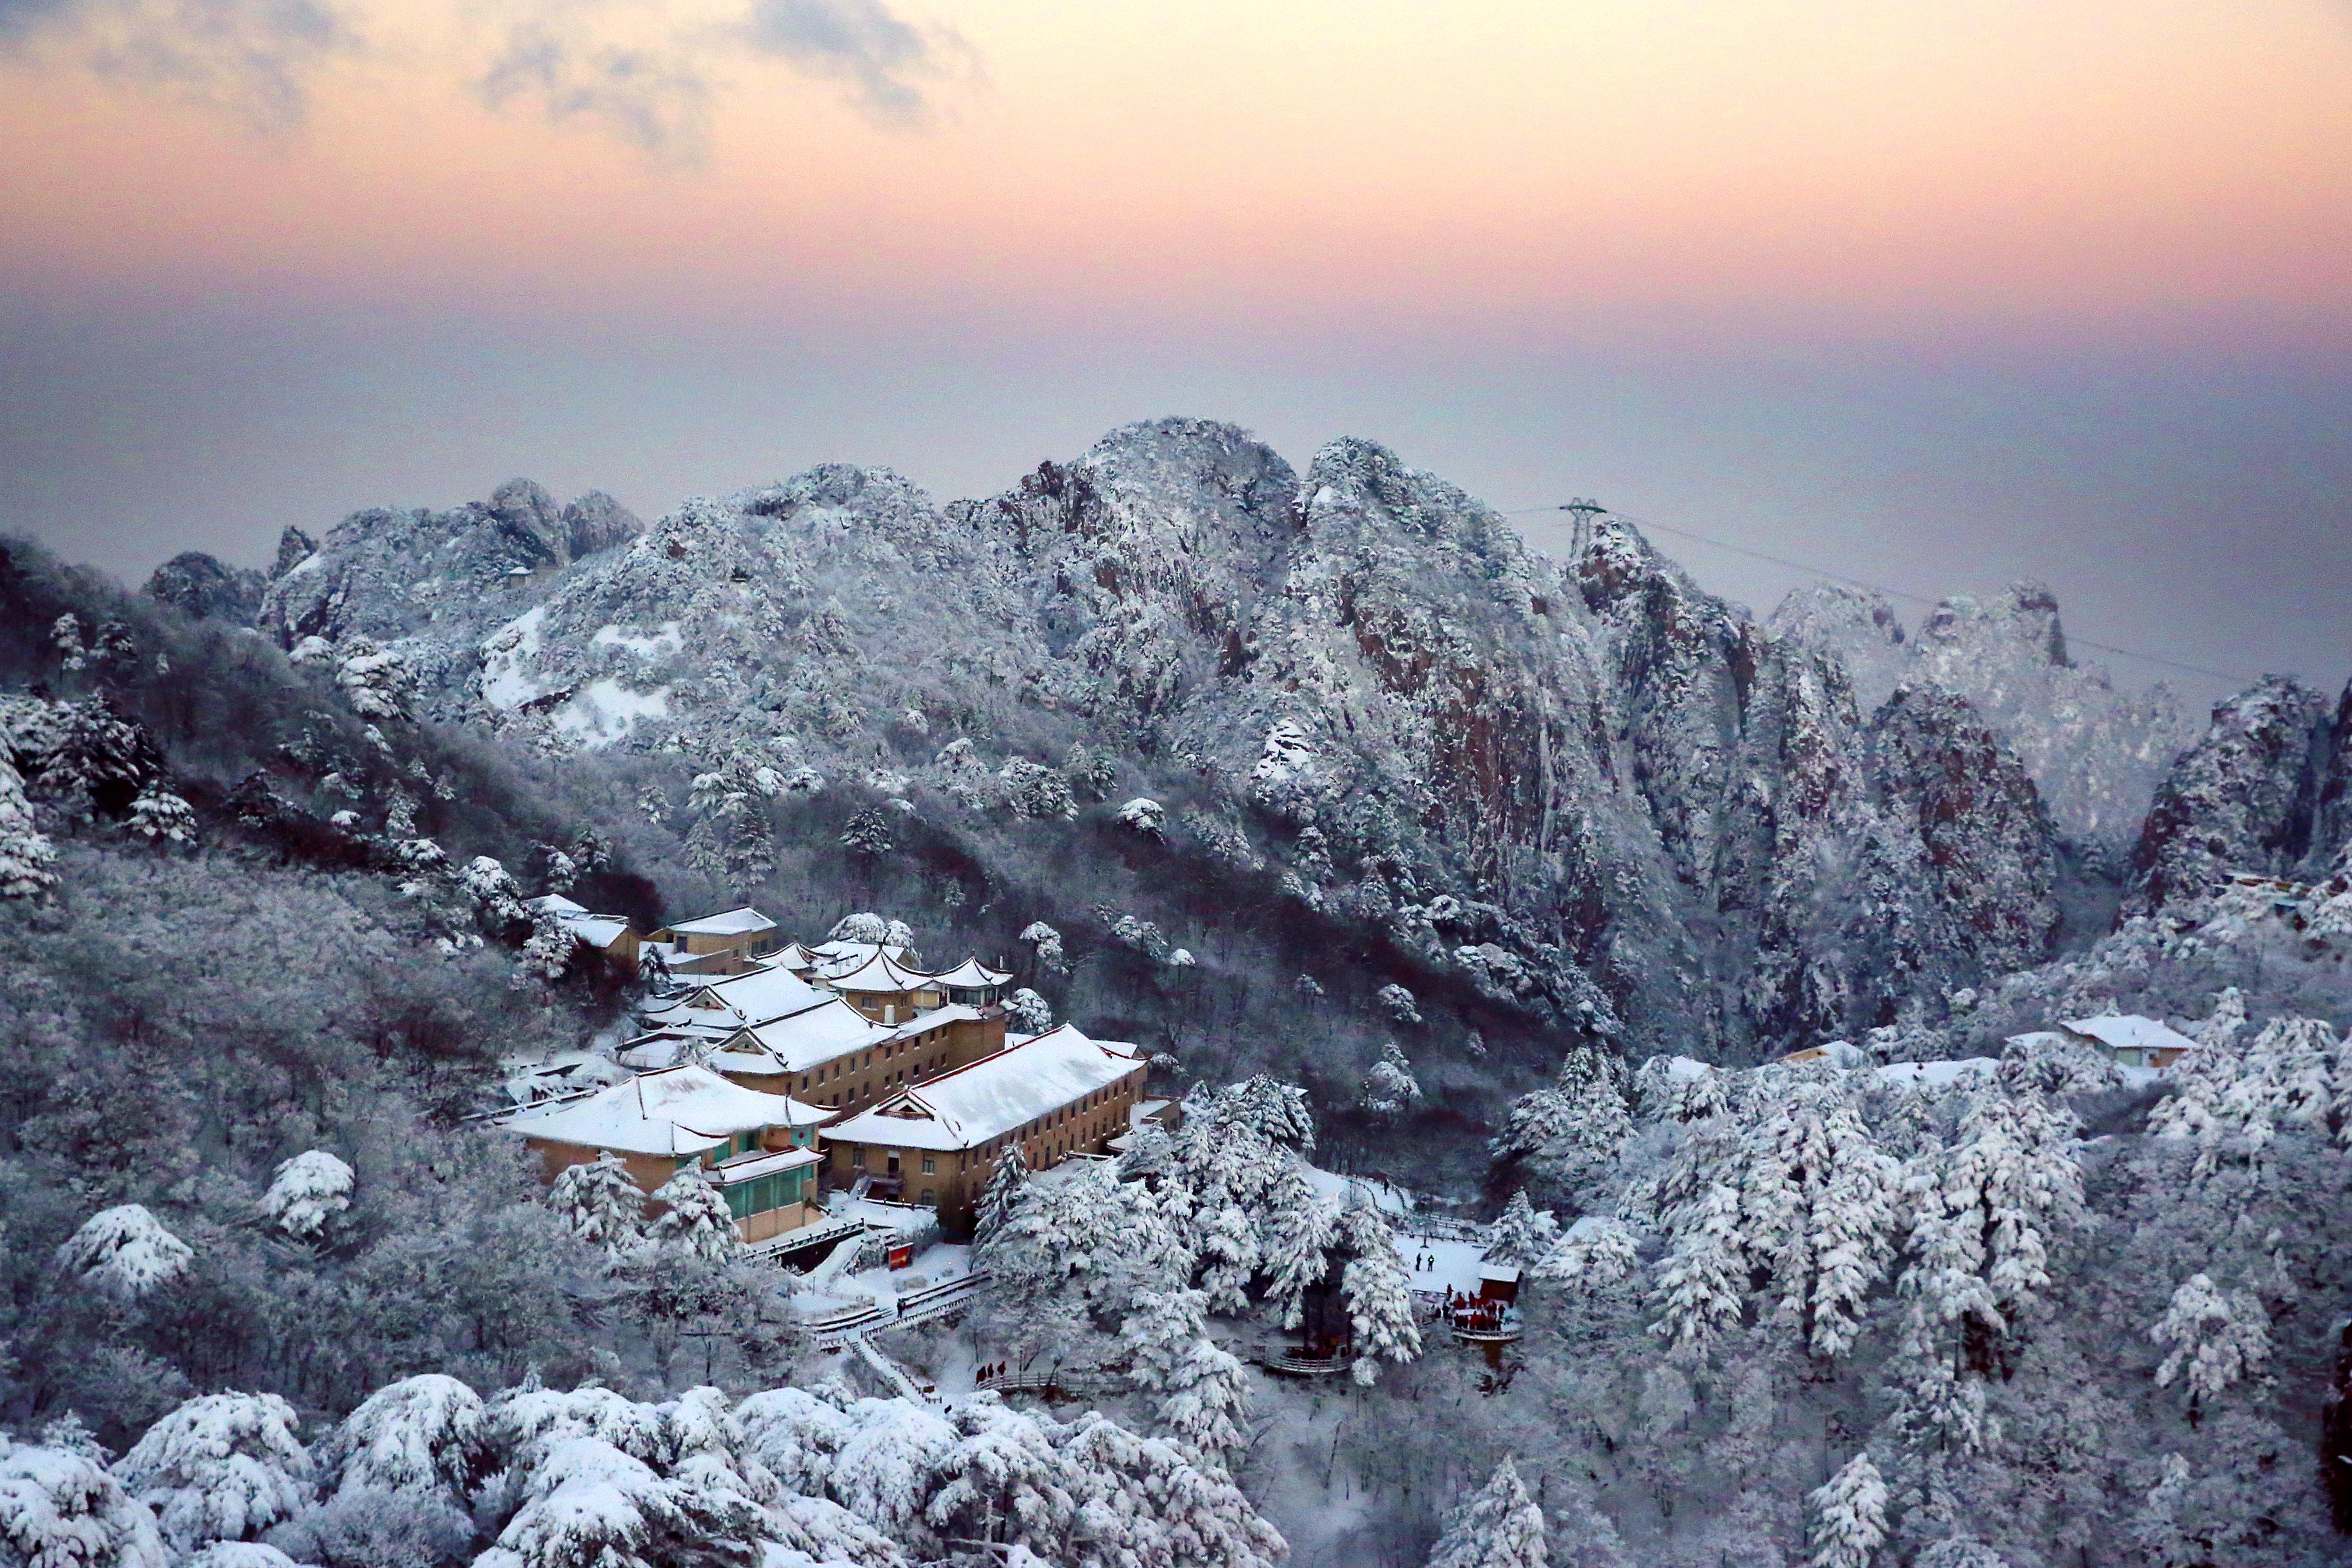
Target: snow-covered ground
[(1335, 1188), (1439, 1266)]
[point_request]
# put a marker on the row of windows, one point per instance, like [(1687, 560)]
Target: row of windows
[(831, 1071), (762, 1193), (1079, 1107)]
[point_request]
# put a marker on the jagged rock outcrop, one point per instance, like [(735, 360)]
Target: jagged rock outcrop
[(294, 547), (1988, 847), (1598, 791), (427, 585), (2095, 753), (202, 587), (2248, 797)]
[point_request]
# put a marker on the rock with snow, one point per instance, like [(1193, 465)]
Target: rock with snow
[(202, 588), (2247, 797), (1600, 793)]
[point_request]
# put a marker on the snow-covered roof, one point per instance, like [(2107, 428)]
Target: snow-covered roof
[(735, 1002), (676, 1110), (791, 955), (2129, 1031), (661, 1048), (800, 1041), (845, 957), (878, 974), (732, 922), (971, 974), (596, 931), (992, 1096), (743, 1167)]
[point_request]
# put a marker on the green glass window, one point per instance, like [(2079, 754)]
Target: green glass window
[(762, 1193)]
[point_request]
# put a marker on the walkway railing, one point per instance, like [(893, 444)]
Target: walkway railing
[(919, 1306)]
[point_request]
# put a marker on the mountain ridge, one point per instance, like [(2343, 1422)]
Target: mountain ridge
[(1598, 789)]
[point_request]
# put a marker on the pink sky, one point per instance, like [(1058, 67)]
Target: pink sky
[(1943, 294), (1840, 166)]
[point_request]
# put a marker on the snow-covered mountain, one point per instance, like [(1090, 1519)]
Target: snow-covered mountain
[(1592, 785)]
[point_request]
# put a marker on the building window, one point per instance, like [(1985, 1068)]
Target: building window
[(858, 1155), (929, 1166)]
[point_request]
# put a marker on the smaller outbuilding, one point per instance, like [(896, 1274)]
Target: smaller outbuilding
[(2130, 1039), (727, 942)]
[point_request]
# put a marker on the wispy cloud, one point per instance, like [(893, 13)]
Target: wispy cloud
[(252, 59), (886, 60), (648, 72), (654, 95)]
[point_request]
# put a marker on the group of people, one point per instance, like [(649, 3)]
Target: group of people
[(991, 1369), (1472, 1311)]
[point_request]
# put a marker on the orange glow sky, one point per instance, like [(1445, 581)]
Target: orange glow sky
[(1968, 164), (1943, 294)]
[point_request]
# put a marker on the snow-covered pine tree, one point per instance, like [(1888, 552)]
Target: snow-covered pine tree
[(59, 1507), (1275, 1111), (1595, 1253), (1377, 1290), (600, 1201), (1849, 1516), (65, 636), (124, 1251), (1296, 1253), (162, 817), (1522, 1235), (1225, 1246), (1004, 1481), (1143, 1501), (1207, 1400), (307, 1194), (1031, 1013), (427, 1434), (1702, 1284), (1390, 1091), (1577, 1124), (547, 951), (1003, 1194), (1160, 1328), (1046, 943), (2216, 1338), (869, 834), (698, 1218), (26, 855), (225, 1467), (1498, 1527)]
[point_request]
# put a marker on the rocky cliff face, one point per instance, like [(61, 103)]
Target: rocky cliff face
[(2264, 791), (434, 581), (202, 587), (2095, 753), (1596, 789)]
